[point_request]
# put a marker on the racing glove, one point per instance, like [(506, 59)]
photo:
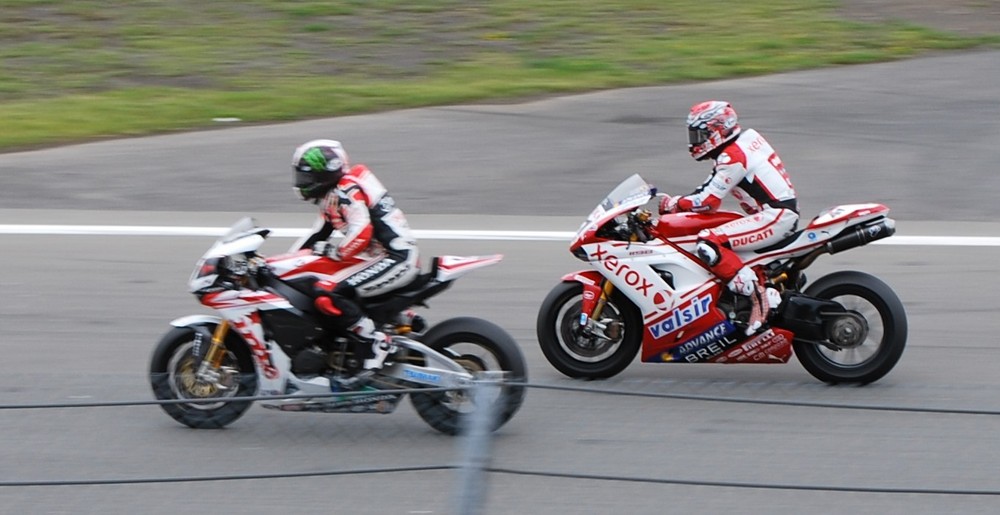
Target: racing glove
[(326, 249), (668, 204)]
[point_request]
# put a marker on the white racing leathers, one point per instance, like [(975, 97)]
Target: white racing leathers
[(750, 170), (361, 208)]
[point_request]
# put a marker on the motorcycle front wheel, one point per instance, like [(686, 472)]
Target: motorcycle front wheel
[(173, 376), (477, 345), (583, 352), (873, 337)]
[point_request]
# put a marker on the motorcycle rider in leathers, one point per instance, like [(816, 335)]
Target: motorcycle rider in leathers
[(746, 166), (353, 201)]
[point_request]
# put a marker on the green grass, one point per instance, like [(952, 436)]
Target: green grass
[(86, 69)]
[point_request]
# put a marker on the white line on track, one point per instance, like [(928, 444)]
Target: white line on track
[(149, 230)]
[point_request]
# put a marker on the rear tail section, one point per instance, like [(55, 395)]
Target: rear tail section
[(452, 267), (443, 271)]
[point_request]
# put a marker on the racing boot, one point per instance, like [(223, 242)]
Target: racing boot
[(381, 348), (715, 251), (747, 284), (381, 344), (409, 321), (773, 297)]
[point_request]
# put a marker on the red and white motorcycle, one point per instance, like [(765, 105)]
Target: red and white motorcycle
[(269, 341), (649, 290)]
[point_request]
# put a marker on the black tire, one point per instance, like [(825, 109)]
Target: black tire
[(171, 374), (478, 345), (873, 358), (578, 355)]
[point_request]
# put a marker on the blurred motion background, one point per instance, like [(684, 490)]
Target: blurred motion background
[(89, 69), (183, 112)]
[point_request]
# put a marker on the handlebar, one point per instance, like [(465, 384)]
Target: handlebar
[(634, 227)]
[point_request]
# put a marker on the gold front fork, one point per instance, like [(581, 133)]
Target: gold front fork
[(606, 290), (217, 349)]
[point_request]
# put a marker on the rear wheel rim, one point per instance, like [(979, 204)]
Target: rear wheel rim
[(474, 358), (859, 355)]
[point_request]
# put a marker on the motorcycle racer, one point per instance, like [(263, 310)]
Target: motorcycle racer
[(745, 165), (353, 201)]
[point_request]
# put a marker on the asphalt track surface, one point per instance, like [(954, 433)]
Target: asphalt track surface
[(80, 313)]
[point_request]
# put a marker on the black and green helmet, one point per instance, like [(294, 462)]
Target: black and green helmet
[(317, 166)]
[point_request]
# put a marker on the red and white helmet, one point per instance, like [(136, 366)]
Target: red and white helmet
[(710, 125)]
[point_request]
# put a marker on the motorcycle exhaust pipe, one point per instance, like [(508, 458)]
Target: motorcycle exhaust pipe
[(862, 235)]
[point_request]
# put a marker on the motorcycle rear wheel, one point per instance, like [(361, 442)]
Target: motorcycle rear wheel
[(172, 376), (478, 345), (577, 354), (885, 335)]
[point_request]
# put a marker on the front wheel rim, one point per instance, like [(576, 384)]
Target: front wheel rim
[(184, 384), (576, 344)]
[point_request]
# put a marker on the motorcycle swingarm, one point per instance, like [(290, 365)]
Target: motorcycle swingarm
[(804, 316), (438, 371)]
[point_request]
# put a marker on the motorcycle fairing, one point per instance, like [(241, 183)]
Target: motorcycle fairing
[(674, 313), (243, 237), (195, 320), (304, 263), (771, 346), (271, 362), (681, 320), (630, 268), (702, 347), (451, 267), (838, 214), (633, 192), (244, 299), (243, 308), (591, 282), (688, 329), (822, 229)]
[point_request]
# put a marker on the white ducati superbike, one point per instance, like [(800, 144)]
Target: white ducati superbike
[(646, 289)]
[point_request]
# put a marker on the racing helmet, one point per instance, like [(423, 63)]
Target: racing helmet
[(317, 166), (710, 125)]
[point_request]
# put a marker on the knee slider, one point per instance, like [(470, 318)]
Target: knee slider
[(707, 253), (325, 298), (326, 306), (709, 245), (324, 287)]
